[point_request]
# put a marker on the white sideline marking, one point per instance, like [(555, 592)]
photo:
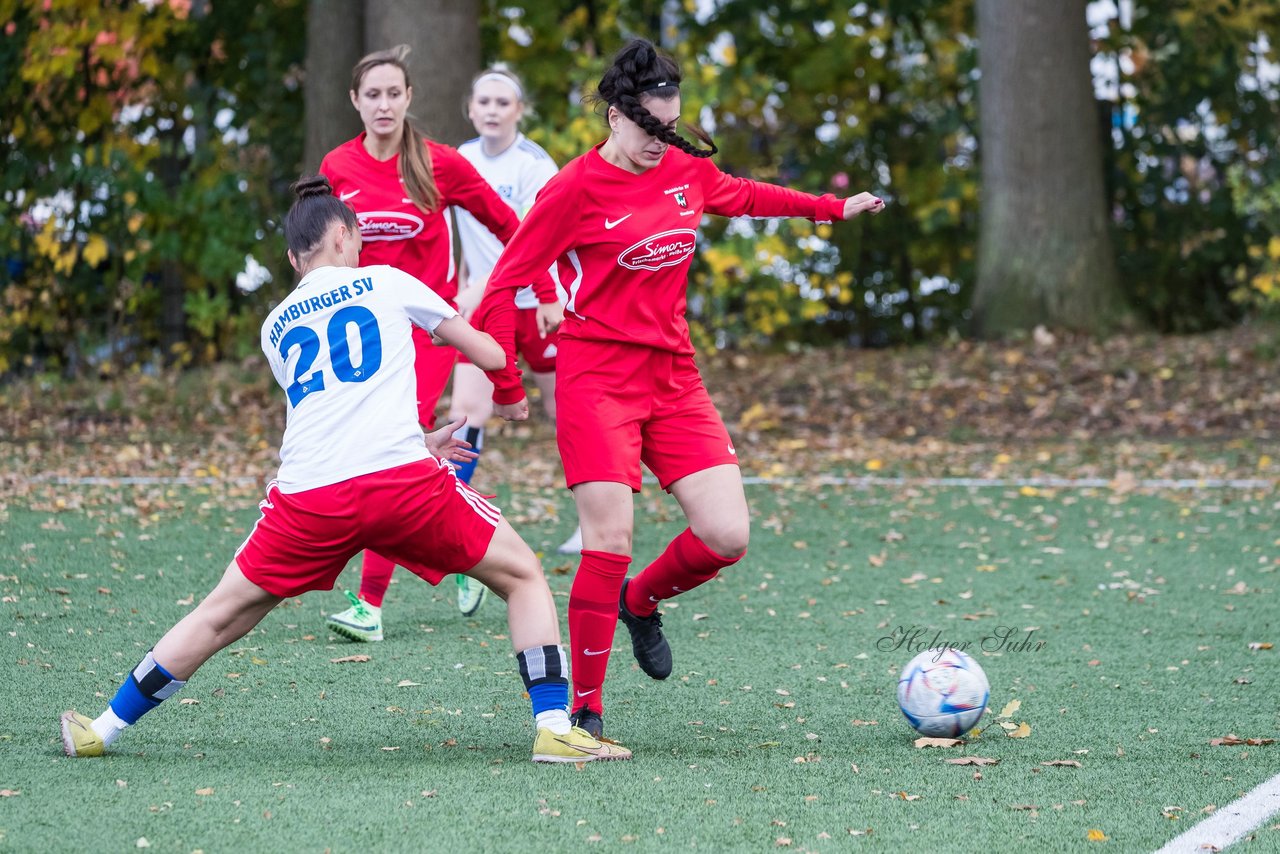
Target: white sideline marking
[(1042, 482), (755, 480), (1229, 824)]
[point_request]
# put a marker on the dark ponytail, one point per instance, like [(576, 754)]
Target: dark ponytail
[(639, 69), (311, 215)]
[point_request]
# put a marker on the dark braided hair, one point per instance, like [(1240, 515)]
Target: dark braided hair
[(640, 70), (314, 211)]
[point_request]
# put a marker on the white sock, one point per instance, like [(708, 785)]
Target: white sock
[(108, 726), (556, 720)]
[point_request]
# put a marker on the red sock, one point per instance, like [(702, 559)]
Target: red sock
[(593, 617), (375, 578), (687, 563)]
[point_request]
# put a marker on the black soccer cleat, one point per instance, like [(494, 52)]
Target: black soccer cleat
[(648, 644), (588, 720)]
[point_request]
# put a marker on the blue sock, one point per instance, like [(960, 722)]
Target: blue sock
[(545, 674), (145, 688), (474, 435), (549, 696)]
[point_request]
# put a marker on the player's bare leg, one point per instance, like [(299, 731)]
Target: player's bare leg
[(719, 527), (472, 399), (512, 571), (227, 614)]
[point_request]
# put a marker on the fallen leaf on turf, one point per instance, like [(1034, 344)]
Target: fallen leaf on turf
[(407, 683), (10, 793), (972, 760), (188, 701), (1009, 708), (346, 658), (915, 576), (905, 797), (1263, 645), (1068, 762), (389, 749), (938, 742), (142, 842), (428, 793), (876, 560), (1022, 731), (1032, 807), (208, 791), (1231, 740), (860, 722), (1096, 836), (1238, 589), (189, 600)]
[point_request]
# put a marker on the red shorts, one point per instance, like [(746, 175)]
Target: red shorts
[(432, 365), (418, 515), (618, 405), (539, 353)]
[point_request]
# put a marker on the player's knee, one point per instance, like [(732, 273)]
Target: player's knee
[(729, 541), (613, 540), (520, 571)]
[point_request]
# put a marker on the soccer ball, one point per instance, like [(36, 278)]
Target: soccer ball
[(943, 693)]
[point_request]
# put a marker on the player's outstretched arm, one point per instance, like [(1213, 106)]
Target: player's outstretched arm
[(479, 347)]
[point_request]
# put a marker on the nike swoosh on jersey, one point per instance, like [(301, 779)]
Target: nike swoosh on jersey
[(608, 223), (342, 197), (594, 651)]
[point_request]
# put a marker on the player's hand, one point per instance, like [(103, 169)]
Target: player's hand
[(518, 411), (443, 444), (862, 203), (469, 298), (550, 316)]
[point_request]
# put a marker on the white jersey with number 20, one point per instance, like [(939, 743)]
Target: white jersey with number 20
[(341, 347)]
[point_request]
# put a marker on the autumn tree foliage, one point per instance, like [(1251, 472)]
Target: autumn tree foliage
[(145, 137), (151, 145)]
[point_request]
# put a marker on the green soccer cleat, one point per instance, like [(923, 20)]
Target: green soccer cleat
[(78, 737), (471, 595), (360, 622), (576, 746)]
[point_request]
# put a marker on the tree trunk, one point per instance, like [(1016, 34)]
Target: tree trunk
[(334, 45), (445, 37), (1044, 253)]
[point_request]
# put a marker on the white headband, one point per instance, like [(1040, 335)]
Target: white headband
[(502, 78)]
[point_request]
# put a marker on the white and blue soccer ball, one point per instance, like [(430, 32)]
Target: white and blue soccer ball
[(943, 693)]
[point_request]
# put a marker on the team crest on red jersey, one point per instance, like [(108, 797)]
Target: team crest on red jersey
[(660, 250), (680, 200), (388, 225)]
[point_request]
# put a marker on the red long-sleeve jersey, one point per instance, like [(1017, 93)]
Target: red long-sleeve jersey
[(627, 241), (399, 233)]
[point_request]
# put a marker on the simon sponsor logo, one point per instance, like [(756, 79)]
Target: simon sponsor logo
[(388, 225), (660, 250)]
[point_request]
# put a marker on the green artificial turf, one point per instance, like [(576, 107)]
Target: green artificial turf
[(779, 728)]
